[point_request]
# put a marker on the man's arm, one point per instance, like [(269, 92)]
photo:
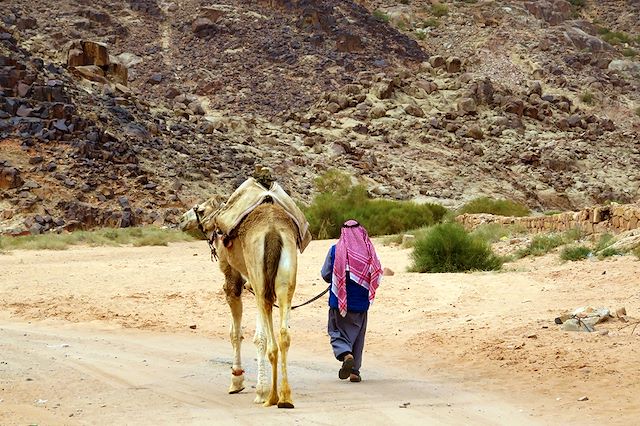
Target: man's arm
[(327, 268)]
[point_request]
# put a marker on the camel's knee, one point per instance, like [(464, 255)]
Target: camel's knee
[(235, 336), (260, 340), (285, 338), (273, 355)]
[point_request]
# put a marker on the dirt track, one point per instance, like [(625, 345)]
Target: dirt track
[(102, 336)]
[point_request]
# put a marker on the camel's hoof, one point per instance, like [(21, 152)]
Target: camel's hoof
[(270, 402), (258, 400), (232, 391), (285, 404)]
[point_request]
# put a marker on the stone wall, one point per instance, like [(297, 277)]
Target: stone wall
[(615, 218)]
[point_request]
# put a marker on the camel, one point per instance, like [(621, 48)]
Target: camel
[(262, 251)]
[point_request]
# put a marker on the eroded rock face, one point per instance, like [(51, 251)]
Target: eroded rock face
[(552, 11), (303, 86)]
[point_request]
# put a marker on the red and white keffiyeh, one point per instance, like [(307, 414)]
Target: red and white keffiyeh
[(355, 253)]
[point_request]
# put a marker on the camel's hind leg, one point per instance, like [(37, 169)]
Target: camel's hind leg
[(260, 340), (272, 354), (285, 289), (233, 290)]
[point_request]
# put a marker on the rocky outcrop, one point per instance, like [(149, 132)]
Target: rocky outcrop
[(91, 60)]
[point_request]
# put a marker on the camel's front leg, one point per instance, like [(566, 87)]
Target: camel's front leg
[(233, 291), (237, 372)]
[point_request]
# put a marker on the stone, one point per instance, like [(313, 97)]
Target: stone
[(414, 110), (467, 106), (203, 27), (437, 61), (377, 111), (92, 73), (475, 132), (349, 43), (454, 65), (10, 177)]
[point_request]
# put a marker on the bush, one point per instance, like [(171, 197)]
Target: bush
[(496, 207), (380, 16), (588, 98), (440, 9), (604, 241), (629, 52), (430, 23), (573, 234), (380, 217), (340, 202), (137, 236), (540, 245), (614, 37), (638, 111), (575, 253), (493, 232), (608, 252), (449, 248), (636, 252), (577, 3)]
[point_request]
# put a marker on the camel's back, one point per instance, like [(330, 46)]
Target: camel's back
[(266, 217)]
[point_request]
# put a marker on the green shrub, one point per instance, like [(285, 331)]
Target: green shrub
[(614, 37), (449, 248), (430, 23), (493, 232), (137, 236), (575, 253), (540, 245), (380, 15), (604, 241), (638, 111), (629, 52), (421, 35), (573, 234), (334, 182), (343, 201), (588, 98), (496, 207), (636, 252), (380, 217), (439, 9), (608, 252), (577, 3)]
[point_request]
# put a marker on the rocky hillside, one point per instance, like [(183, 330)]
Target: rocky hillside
[(126, 112)]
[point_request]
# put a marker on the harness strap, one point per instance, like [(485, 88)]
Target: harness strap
[(212, 248), (301, 304)]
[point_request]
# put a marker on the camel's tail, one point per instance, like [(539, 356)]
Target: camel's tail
[(272, 250)]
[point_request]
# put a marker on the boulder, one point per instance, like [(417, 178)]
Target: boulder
[(584, 41), (10, 177), (347, 42), (467, 106), (414, 110)]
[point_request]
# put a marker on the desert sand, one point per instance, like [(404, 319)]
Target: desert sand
[(132, 335)]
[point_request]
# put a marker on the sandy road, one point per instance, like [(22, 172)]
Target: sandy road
[(104, 335), (58, 373)]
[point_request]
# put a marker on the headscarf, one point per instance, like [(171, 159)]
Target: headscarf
[(355, 253)]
